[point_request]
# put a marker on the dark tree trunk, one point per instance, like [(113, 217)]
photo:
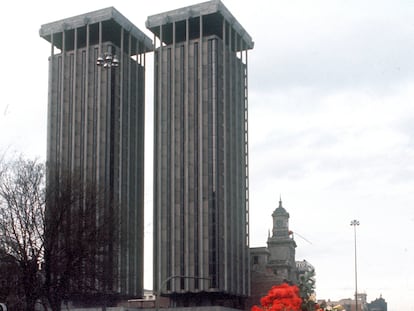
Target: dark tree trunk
[(30, 283)]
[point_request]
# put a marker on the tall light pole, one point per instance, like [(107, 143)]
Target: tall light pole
[(355, 223)]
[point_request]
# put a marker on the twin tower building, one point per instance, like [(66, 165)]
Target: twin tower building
[(201, 187)]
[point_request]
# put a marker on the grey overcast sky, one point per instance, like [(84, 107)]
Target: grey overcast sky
[(331, 120)]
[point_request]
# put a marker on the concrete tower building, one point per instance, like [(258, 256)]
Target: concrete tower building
[(96, 127), (201, 220)]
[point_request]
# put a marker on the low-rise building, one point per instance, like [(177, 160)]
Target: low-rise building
[(379, 304), (348, 304), (274, 264)]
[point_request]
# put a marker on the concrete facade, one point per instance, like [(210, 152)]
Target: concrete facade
[(201, 242), (96, 128)]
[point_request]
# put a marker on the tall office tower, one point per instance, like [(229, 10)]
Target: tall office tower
[(96, 129), (201, 219)]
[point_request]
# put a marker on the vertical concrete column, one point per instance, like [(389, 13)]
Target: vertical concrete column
[(238, 255), (160, 269), (98, 115), (202, 250), (189, 266), (61, 133), (156, 172), (224, 194), (74, 103), (86, 110), (135, 181), (246, 128), (231, 162), (50, 109), (174, 209)]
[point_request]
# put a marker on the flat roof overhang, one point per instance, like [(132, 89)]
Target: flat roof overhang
[(112, 22), (214, 9)]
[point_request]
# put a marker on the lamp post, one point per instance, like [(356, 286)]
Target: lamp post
[(107, 60), (157, 302), (355, 223)]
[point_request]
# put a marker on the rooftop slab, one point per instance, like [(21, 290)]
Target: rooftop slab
[(109, 14), (206, 8)]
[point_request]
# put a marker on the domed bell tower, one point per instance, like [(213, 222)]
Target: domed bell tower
[(282, 246)]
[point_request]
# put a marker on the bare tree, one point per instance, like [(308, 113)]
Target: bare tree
[(64, 226), (78, 241), (21, 222)]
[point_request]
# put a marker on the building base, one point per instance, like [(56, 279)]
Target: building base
[(207, 308)]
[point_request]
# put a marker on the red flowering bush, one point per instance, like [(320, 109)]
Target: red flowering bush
[(282, 297)]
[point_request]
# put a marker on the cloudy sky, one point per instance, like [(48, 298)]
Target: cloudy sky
[(331, 112)]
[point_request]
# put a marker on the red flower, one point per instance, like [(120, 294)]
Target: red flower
[(283, 297)]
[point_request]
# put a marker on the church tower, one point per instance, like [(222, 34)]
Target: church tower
[(281, 246)]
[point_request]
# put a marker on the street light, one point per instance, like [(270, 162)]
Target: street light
[(107, 60), (355, 223), (157, 302)]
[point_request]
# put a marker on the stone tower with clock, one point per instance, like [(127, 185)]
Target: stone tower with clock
[(281, 246), (275, 263)]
